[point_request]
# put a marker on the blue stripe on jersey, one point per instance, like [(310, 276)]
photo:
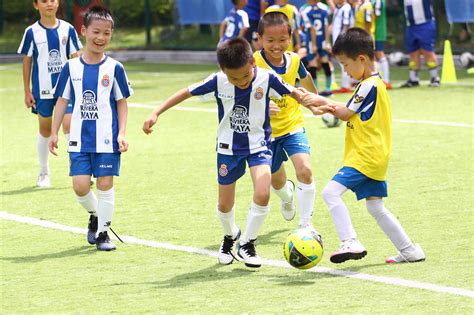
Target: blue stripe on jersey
[(302, 71), (34, 73), (90, 80), (206, 88), (410, 18), (62, 80), (266, 125), (53, 44), (240, 142), (275, 84), (370, 100), (427, 9), (72, 39), (29, 38), (113, 107), (122, 80), (220, 108)]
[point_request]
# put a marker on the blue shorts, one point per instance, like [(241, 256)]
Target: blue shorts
[(96, 164), (232, 167), (46, 107), (422, 36), (69, 109), (287, 145), (378, 45), (362, 185), (320, 47)]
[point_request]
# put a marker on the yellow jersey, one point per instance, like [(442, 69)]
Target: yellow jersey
[(364, 13), (291, 13), (368, 132), (290, 117)]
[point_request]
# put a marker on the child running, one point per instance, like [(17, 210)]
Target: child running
[(367, 151), (98, 88)]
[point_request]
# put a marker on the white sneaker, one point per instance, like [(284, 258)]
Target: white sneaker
[(409, 255), (226, 254), (43, 181), (350, 249), (248, 254), (288, 209)]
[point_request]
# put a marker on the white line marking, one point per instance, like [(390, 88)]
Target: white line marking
[(404, 121), (274, 263)]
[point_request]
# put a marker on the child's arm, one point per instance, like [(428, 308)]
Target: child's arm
[(173, 100), (122, 113), (317, 103), (222, 29), (74, 55), (29, 98), (58, 116)]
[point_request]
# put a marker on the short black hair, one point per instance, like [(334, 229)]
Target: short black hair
[(271, 19), (234, 53), (98, 12), (354, 42)]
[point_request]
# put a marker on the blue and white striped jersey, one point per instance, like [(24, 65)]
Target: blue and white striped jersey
[(236, 20), (317, 16), (343, 16), (418, 11), (244, 116), (93, 91), (50, 48)]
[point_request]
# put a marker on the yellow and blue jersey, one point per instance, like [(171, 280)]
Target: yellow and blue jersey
[(368, 132), (364, 13)]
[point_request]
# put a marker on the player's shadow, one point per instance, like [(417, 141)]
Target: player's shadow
[(30, 189), (272, 237), (299, 278), (366, 266), (81, 251)]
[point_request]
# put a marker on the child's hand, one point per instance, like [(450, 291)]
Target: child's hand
[(30, 100), (149, 122), (328, 48), (311, 99), (53, 144), (322, 109), (123, 144), (274, 108)]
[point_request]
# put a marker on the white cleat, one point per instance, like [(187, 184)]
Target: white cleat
[(226, 254), (43, 181), (350, 249), (410, 255), (288, 209), (249, 255)]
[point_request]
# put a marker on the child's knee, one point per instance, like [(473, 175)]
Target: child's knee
[(105, 183), (262, 197), (81, 188), (304, 173)]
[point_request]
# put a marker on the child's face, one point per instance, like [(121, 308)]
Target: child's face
[(354, 68), (275, 40), (240, 77), (98, 35), (47, 8)]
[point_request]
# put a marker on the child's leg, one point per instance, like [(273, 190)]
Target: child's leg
[(84, 195), (306, 189), (332, 196), (106, 202), (66, 126), (225, 210), (43, 139)]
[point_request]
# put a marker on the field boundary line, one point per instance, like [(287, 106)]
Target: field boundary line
[(274, 263), (403, 121)]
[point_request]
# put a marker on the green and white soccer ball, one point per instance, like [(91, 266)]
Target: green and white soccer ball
[(303, 248), (330, 120)]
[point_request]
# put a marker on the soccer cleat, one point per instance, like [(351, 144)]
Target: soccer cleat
[(249, 255), (43, 181), (103, 242), (410, 255), (435, 82), (92, 229), (388, 86), (226, 255), (350, 249), (288, 209), (410, 84)]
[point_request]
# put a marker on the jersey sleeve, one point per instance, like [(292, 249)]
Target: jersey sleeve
[(302, 72), (305, 19), (63, 86), (368, 14), (364, 98), (26, 45), (346, 16), (278, 87), (122, 87), (204, 88), (245, 18), (74, 43)]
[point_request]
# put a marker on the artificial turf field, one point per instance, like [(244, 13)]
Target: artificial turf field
[(166, 197)]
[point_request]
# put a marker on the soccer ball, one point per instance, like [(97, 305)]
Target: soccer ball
[(466, 59), (303, 248), (330, 120), (396, 58)]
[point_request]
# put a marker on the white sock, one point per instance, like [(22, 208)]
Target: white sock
[(385, 67), (255, 218), (434, 72), (305, 195), (88, 202), (285, 192), (43, 152), (389, 224), (414, 75), (344, 78), (332, 196), (228, 222), (105, 209)]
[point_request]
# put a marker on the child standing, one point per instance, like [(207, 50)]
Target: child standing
[(98, 88), (289, 137), (46, 45), (366, 153), (236, 23)]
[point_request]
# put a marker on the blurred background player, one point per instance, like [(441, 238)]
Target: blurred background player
[(255, 9), (46, 46), (315, 18), (364, 16), (99, 87), (420, 38), (342, 20), (293, 16), (380, 38), (236, 23), (289, 138)]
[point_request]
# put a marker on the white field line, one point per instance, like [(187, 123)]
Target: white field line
[(404, 121), (274, 263)]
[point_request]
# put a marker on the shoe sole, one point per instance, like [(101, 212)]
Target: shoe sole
[(404, 262), (337, 259), (107, 249)]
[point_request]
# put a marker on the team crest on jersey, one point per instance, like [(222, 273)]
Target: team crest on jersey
[(258, 93), (105, 80), (89, 109), (55, 63), (223, 170), (358, 98), (64, 40), (239, 119)]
